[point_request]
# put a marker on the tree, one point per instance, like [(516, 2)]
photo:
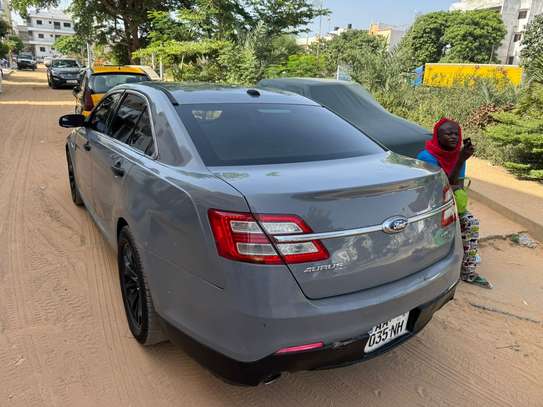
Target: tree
[(458, 36), (4, 28), (71, 45), (342, 48), (473, 36), (532, 51), (425, 38), (127, 22), (301, 65), (520, 133)]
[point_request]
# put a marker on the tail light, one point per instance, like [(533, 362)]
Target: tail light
[(88, 104), (244, 237), (300, 348), (448, 215)]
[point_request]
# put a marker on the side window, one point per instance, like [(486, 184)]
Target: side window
[(142, 137), (125, 120), (99, 118)]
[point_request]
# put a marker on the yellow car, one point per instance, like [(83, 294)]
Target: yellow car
[(99, 79)]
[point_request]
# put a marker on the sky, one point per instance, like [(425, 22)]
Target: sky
[(361, 13)]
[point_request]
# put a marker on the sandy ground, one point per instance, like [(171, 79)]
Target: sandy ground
[(64, 340)]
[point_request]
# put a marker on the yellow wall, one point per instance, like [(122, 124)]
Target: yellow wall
[(446, 75)]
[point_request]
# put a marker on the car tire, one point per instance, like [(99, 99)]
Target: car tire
[(143, 320), (74, 190)]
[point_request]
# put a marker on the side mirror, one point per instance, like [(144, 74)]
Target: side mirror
[(76, 90), (72, 120)]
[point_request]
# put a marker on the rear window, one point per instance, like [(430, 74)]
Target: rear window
[(65, 63), (101, 83), (249, 134)]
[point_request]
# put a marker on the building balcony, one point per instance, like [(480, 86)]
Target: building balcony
[(52, 30)]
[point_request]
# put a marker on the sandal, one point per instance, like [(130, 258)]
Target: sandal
[(476, 279)]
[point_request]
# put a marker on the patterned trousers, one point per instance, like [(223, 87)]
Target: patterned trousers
[(469, 226)]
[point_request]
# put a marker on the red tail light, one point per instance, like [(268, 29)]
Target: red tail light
[(88, 104), (301, 348), (448, 216), (240, 236)]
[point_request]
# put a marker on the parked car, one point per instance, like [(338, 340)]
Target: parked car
[(63, 72), (26, 61), (97, 80), (352, 102), (260, 230)]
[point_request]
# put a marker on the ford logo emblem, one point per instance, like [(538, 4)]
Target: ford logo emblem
[(395, 224)]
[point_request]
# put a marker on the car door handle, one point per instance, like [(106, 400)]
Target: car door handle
[(117, 169), (87, 146)]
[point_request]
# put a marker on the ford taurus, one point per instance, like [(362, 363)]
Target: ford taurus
[(259, 230)]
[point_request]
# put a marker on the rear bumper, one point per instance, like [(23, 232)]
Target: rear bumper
[(338, 353), (27, 65)]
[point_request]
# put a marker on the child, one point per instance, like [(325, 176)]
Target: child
[(446, 151)]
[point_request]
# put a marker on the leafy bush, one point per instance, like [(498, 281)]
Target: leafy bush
[(519, 134)]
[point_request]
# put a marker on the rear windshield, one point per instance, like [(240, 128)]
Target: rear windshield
[(249, 134), (101, 83), (64, 63)]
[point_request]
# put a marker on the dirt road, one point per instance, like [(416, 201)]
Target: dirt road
[(64, 340)]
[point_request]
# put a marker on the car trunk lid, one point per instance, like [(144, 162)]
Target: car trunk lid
[(348, 194)]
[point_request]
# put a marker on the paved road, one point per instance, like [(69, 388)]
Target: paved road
[(64, 340)]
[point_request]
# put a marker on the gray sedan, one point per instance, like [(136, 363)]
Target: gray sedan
[(259, 230)]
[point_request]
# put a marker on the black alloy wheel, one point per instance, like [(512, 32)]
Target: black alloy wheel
[(74, 190), (143, 321)]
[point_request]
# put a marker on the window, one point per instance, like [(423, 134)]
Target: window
[(510, 60), (252, 134), (67, 25), (42, 49), (39, 22), (142, 137), (40, 35), (56, 25), (99, 119), (517, 37), (101, 83), (522, 14), (64, 63), (126, 119)]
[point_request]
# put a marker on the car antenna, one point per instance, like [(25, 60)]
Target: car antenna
[(253, 92)]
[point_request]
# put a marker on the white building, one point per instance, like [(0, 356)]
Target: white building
[(41, 30), (516, 14), (5, 12), (308, 40)]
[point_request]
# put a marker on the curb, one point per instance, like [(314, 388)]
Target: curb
[(533, 228)]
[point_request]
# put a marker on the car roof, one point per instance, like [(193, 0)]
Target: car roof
[(118, 68), (305, 81), (194, 93)]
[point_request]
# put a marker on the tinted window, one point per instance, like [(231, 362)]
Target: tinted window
[(101, 83), (99, 118), (65, 63), (245, 134), (125, 120), (142, 136)]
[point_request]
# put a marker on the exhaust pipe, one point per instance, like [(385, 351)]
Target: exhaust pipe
[(271, 378)]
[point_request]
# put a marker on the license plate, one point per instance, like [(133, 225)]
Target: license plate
[(72, 81), (386, 332)]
